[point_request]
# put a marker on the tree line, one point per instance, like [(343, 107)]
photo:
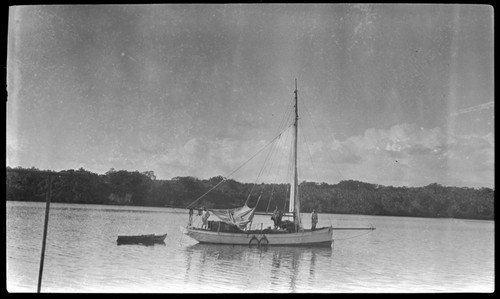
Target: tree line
[(347, 197)]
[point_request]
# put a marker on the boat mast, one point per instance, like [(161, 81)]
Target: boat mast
[(294, 197)]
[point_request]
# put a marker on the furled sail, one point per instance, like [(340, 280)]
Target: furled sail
[(238, 216)]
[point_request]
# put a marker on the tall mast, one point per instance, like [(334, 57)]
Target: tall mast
[(294, 194)]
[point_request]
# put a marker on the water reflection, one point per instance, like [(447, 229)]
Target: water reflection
[(157, 243), (276, 264), (243, 269), (312, 268)]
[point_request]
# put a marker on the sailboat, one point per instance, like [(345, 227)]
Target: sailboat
[(238, 219)]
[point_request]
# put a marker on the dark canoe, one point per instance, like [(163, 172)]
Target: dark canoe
[(141, 239)]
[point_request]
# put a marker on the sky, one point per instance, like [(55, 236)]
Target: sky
[(396, 95)]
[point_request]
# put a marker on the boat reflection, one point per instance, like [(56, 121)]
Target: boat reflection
[(243, 269), (158, 243)]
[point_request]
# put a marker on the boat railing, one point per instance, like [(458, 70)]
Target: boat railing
[(260, 227), (256, 226)]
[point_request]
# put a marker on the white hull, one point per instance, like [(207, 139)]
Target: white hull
[(318, 237)]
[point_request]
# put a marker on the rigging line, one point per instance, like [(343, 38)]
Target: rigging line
[(287, 174), (274, 139), (287, 123), (289, 116), (277, 172), (275, 152), (368, 232), (278, 168), (270, 154), (265, 163), (285, 116), (248, 198), (258, 199), (285, 120), (270, 198), (290, 111)]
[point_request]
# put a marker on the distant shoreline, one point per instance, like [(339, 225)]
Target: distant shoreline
[(124, 188), (303, 213)]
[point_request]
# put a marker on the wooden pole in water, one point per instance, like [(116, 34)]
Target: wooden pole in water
[(47, 209)]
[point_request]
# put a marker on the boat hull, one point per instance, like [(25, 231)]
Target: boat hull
[(319, 237)]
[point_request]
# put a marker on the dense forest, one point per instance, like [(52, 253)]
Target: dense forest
[(347, 197)]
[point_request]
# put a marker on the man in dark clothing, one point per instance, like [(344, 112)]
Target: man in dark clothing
[(278, 218), (274, 217), (190, 217), (314, 219)]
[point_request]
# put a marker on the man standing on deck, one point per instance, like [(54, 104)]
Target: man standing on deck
[(279, 215), (314, 219), (190, 222), (204, 218), (274, 217)]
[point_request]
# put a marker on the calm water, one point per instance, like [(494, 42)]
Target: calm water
[(401, 255)]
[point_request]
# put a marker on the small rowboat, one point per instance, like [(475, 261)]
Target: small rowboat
[(141, 239)]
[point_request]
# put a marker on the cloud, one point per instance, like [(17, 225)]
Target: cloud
[(12, 155), (203, 158), (402, 155), (407, 154)]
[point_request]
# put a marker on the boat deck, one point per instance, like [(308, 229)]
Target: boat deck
[(258, 231)]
